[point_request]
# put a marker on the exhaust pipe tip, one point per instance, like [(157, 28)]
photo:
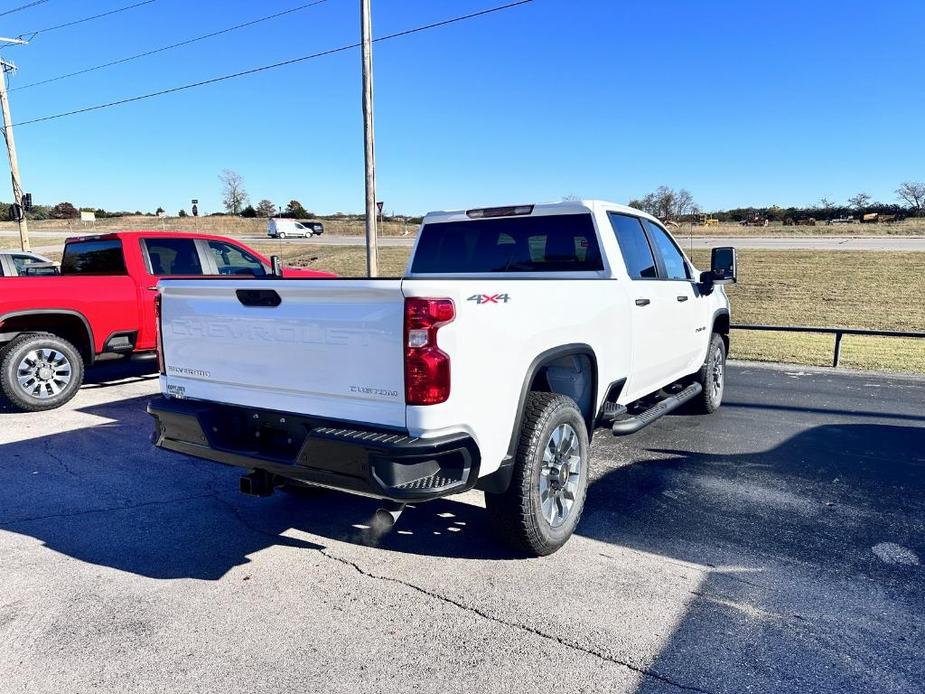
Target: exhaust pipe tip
[(383, 520), (386, 516)]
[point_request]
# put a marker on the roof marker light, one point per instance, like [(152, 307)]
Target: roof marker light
[(515, 211)]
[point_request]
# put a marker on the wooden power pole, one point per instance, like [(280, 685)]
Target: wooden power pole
[(372, 249), (6, 68)]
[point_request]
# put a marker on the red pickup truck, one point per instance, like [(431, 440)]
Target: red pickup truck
[(102, 304)]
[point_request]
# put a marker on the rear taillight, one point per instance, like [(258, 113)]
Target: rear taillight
[(158, 330), (427, 367)]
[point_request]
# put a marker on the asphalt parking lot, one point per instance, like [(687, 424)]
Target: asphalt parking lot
[(776, 546)]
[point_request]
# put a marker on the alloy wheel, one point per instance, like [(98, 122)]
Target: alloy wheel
[(44, 373), (560, 475)]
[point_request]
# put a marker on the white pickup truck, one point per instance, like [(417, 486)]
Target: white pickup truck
[(514, 333)]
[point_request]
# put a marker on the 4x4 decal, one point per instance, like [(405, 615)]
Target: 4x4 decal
[(489, 298)]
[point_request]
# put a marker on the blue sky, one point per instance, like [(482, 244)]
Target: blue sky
[(742, 103)]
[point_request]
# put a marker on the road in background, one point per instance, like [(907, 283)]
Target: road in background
[(775, 546), (821, 243), (818, 243)]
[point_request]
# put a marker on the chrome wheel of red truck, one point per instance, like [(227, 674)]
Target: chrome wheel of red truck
[(40, 371)]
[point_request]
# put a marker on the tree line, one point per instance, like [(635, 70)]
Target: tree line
[(664, 203), (668, 204)]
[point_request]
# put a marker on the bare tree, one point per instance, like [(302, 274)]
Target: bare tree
[(265, 208), (827, 204), (683, 203), (913, 193), (859, 201), (234, 197), (666, 203)]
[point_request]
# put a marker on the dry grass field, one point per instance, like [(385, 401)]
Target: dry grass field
[(11, 243), (855, 289), (237, 226), (907, 227), (225, 226)]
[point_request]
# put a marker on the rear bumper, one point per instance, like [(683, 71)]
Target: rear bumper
[(384, 464)]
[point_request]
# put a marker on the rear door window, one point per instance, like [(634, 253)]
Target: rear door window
[(172, 257), (552, 243), (232, 260), (102, 257), (634, 246)]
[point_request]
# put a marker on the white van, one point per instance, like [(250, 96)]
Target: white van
[(290, 228)]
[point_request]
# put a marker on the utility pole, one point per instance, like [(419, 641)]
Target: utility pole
[(8, 67), (372, 250)]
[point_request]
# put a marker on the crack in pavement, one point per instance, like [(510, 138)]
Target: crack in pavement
[(214, 495), (523, 627), (473, 610), (46, 445)]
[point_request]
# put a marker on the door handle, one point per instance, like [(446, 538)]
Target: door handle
[(642, 302), (682, 298)]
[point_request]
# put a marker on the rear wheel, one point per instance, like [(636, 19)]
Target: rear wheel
[(282, 234), (40, 371), (712, 376), (543, 504)]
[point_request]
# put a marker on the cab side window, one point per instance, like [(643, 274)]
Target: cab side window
[(232, 260), (173, 257), (673, 259), (634, 246)]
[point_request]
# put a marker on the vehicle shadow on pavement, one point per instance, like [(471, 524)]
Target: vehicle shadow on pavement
[(119, 371), (105, 495), (794, 594), (774, 548)]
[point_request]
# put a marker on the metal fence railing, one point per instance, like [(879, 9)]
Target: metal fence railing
[(837, 332)]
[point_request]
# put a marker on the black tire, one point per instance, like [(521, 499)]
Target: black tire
[(714, 366), (518, 513), (41, 393), (282, 234)]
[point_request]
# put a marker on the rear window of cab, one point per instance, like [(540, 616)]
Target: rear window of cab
[(102, 257), (551, 243)]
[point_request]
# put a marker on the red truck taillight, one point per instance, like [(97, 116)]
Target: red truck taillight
[(427, 367), (158, 332)]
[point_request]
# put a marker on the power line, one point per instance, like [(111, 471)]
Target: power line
[(23, 7), (86, 19), (264, 68), (169, 47)]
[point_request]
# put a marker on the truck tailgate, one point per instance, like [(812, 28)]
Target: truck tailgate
[(332, 348)]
